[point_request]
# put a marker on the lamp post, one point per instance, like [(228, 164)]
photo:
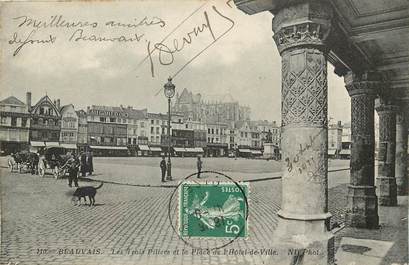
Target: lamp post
[(169, 90)]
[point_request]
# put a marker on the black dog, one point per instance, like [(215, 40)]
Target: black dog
[(83, 192)]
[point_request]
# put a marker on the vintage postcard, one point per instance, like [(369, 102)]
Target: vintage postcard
[(204, 132)]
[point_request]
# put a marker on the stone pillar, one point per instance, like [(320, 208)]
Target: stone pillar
[(362, 209), (401, 160), (386, 182), (300, 34)]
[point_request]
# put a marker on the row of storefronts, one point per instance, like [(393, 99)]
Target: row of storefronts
[(144, 150)]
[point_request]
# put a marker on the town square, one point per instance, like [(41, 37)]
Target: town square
[(204, 132)]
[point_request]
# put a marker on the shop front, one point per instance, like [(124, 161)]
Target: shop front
[(216, 150), (109, 151)]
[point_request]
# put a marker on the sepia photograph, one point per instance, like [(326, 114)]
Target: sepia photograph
[(204, 132)]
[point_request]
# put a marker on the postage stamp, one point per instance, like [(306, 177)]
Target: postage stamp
[(213, 210)]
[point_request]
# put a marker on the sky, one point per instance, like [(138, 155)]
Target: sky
[(208, 47)]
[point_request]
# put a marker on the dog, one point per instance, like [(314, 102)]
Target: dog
[(83, 192)]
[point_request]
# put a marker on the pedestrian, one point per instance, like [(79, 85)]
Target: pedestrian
[(83, 161), (90, 165), (163, 168), (35, 159), (199, 164), (73, 166)]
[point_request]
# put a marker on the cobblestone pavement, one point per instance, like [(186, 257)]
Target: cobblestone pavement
[(41, 226)]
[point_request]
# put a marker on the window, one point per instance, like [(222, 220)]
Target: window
[(152, 139), (157, 139), (112, 119), (208, 139), (50, 112), (41, 110), (163, 130), (157, 122), (152, 122), (186, 125), (102, 119), (23, 122), (245, 134), (129, 141), (217, 131), (157, 130), (134, 140), (212, 131), (241, 134), (208, 130), (152, 130), (142, 124), (3, 120)]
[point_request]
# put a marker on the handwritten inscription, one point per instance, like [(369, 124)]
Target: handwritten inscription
[(304, 163), (29, 39), (166, 52), (34, 31)]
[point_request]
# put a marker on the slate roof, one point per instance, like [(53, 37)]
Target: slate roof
[(12, 100)]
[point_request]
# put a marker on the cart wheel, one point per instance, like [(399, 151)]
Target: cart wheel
[(11, 166), (55, 172)]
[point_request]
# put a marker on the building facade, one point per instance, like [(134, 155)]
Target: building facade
[(82, 136), (334, 139), (45, 126), (69, 127), (14, 125), (221, 108), (107, 130)]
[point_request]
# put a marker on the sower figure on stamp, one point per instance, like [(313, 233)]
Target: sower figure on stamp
[(163, 168), (73, 166), (199, 166)]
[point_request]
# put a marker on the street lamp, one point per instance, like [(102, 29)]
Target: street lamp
[(169, 93)]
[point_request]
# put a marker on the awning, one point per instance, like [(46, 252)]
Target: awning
[(244, 151), (37, 144), (109, 147), (143, 147), (345, 152), (156, 149), (179, 149), (69, 146), (52, 144), (332, 151), (191, 150), (199, 150), (256, 152)]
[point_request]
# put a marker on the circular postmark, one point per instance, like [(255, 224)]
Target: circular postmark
[(213, 208)]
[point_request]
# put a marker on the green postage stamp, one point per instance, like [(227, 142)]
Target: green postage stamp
[(213, 210)]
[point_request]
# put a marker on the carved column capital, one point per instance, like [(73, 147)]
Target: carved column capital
[(382, 105), (366, 83), (305, 24)]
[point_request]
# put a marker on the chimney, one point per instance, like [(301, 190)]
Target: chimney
[(339, 123), (28, 100), (58, 104)]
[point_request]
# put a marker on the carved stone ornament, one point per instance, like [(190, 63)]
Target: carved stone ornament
[(367, 83), (305, 34), (304, 88)]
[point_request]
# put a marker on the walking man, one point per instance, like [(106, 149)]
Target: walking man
[(199, 166), (163, 168), (73, 165)]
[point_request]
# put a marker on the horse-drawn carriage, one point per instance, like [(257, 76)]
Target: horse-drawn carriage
[(23, 161), (54, 158)]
